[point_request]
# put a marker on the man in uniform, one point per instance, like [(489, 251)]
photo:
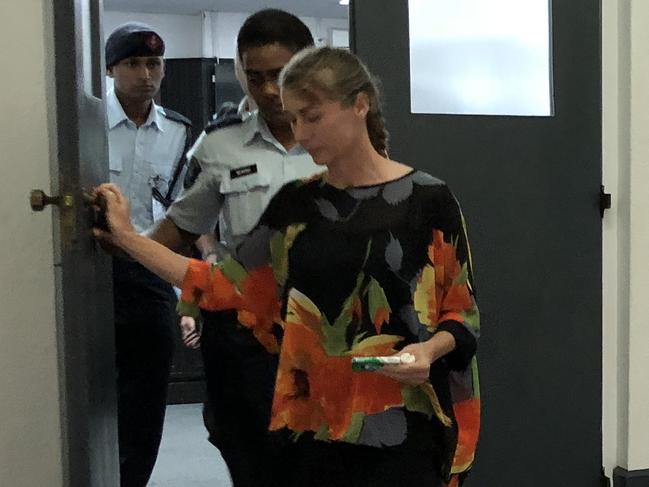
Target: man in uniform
[(146, 146), (242, 166)]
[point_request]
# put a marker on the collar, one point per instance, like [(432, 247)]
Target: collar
[(256, 126), (116, 115)]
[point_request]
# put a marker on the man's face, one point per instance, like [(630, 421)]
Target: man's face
[(262, 66), (138, 78)]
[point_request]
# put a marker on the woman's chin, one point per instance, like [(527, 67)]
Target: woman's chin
[(318, 158)]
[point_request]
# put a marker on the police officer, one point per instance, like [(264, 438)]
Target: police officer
[(243, 166), (146, 146)]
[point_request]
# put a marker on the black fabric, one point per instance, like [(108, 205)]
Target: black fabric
[(177, 117), (132, 39), (466, 345), (240, 378), (179, 166), (193, 170), (224, 119), (144, 326), (320, 464)]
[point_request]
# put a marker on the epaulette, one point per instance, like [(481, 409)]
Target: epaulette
[(193, 170), (226, 116), (176, 117)]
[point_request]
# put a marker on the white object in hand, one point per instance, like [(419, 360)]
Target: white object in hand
[(407, 358)]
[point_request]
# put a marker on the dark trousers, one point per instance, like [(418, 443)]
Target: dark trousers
[(240, 376), (144, 326), (315, 463)]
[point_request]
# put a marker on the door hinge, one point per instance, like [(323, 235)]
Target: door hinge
[(604, 201)]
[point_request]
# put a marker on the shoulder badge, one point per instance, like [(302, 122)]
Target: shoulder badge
[(227, 115), (177, 117)]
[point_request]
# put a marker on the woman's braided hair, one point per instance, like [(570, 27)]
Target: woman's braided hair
[(339, 75)]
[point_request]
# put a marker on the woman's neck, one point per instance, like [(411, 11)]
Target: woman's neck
[(363, 166)]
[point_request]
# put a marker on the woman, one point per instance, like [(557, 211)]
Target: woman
[(369, 260)]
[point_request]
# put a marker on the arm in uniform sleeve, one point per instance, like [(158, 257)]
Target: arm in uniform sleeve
[(198, 208)]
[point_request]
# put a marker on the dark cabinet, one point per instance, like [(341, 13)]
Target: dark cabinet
[(197, 87)]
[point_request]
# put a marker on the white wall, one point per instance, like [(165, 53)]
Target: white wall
[(626, 234), (638, 238), (211, 34), (30, 444), (182, 33)]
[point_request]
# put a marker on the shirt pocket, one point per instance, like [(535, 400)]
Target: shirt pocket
[(115, 164), (115, 172), (152, 175), (246, 198)]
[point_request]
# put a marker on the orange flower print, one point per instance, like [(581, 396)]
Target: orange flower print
[(467, 415), (316, 391)]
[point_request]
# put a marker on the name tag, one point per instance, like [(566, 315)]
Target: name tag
[(243, 171)]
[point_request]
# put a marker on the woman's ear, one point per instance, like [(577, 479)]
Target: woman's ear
[(362, 104)]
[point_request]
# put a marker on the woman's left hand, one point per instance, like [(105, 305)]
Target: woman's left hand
[(425, 354)]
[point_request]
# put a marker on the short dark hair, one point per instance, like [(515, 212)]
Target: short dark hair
[(273, 26)]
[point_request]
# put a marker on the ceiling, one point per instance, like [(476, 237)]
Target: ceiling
[(304, 8)]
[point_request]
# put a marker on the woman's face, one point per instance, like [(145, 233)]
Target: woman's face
[(326, 129)]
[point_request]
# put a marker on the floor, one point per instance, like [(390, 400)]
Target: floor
[(186, 458)]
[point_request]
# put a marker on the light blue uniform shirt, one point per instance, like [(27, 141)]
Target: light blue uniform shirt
[(141, 158), (242, 168)]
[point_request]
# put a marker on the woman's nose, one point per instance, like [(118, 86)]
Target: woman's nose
[(299, 132)]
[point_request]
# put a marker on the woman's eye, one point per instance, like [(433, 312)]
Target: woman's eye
[(313, 118)]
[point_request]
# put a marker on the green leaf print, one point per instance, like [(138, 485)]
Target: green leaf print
[(187, 309), (233, 271), (471, 318), (323, 433), (354, 431), (335, 336), (416, 400), (280, 244), (463, 276), (423, 399), (378, 303)]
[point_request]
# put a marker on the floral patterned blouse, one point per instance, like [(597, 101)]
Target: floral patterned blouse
[(329, 274)]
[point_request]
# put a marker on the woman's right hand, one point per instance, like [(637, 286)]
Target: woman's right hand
[(110, 200)]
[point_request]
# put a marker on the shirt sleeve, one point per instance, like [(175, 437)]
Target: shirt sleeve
[(198, 207), (456, 308)]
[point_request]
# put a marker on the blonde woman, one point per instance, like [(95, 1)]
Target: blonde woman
[(370, 259)]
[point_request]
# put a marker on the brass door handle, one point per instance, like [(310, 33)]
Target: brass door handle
[(38, 200)]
